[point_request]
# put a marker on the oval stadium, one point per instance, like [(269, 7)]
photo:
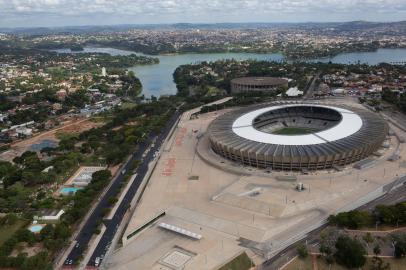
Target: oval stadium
[(262, 84), (297, 136)]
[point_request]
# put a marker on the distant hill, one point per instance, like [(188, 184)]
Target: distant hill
[(338, 26), (363, 25)]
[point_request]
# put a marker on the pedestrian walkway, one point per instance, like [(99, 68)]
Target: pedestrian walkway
[(401, 229), (314, 262)]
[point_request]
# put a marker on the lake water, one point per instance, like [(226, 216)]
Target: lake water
[(157, 79)]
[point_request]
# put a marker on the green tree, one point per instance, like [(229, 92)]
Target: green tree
[(402, 102), (368, 238), (353, 219), (47, 232), (379, 264), (37, 262), (9, 219), (24, 235), (61, 231), (101, 176), (302, 251), (400, 246), (349, 252), (377, 250)]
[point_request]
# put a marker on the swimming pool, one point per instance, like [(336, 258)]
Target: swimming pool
[(36, 228), (69, 190)]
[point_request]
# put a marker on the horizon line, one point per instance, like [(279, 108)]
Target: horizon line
[(196, 23)]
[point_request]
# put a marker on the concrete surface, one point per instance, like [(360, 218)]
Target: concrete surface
[(235, 208)]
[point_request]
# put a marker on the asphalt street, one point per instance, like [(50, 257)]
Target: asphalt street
[(112, 225), (311, 87)]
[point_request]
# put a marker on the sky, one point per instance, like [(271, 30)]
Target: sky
[(34, 13)]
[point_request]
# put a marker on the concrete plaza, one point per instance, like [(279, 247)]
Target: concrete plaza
[(236, 208)]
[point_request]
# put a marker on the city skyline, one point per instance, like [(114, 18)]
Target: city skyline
[(49, 13)]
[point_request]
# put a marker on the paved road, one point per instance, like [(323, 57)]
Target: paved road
[(311, 87), (112, 225), (312, 239)]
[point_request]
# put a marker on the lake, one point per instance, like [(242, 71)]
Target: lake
[(157, 79)]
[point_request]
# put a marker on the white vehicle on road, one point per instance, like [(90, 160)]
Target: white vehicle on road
[(97, 261)]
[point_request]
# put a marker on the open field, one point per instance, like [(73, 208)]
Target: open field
[(128, 105), (7, 231), (78, 126), (307, 264)]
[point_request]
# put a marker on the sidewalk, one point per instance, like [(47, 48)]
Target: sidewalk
[(376, 231)]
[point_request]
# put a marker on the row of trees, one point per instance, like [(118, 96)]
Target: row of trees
[(336, 247), (83, 199), (110, 143), (351, 252), (219, 74), (344, 250), (394, 215), (395, 98)]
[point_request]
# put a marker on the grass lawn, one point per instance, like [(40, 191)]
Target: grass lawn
[(212, 91), (241, 262), (66, 135), (128, 105), (294, 131), (306, 264), (7, 231)]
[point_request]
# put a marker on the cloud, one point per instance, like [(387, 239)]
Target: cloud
[(160, 11)]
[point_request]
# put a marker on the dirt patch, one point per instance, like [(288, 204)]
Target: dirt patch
[(79, 126), (131, 124), (72, 126), (25, 248)]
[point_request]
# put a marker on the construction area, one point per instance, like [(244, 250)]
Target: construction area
[(48, 138), (199, 210)]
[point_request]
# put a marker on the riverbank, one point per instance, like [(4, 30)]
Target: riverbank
[(157, 79)]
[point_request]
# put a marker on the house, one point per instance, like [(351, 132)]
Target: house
[(23, 131), (3, 117), (61, 94), (57, 106), (49, 216), (47, 169), (51, 123)]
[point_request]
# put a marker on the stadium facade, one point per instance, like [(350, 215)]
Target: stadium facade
[(297, 136), (262, 84)]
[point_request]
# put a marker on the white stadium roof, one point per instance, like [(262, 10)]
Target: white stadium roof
[(350, 124)]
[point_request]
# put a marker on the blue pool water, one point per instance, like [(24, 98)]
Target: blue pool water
[(69, 190), (36, 228)]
